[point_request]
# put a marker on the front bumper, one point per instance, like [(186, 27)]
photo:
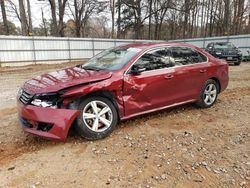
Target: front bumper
[(230, 59), (46, 122)]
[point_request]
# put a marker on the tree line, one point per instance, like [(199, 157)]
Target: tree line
[(137, 19)]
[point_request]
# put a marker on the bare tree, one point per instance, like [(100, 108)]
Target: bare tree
[(24, 23), (140, 19), (13, 10), (226, 17), (44, 24), (150, 19), (54, 29), (30, 28), (112, 10), (119, 19), (83, 10), (5, 21), (61, 7)]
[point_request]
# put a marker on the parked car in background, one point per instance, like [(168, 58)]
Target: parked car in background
[(118, 84), (246, 57), (226, 51)]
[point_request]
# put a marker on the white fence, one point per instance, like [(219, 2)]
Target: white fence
[(37, 49), (14, 49)]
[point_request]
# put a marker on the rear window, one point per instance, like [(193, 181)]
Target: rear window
[(185, 56)]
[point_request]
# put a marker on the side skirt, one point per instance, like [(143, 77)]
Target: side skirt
[(157, 109)]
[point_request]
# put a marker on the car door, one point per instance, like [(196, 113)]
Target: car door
[(151, 88), (190, 72)]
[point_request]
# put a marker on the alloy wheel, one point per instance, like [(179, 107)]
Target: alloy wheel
[(210, 94), (97, 116)]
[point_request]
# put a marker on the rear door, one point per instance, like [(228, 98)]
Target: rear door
[(190, 72)]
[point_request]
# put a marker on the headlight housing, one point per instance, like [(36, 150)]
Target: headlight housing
[(218, 53), (43, 103), (19, 93), (47, 100)]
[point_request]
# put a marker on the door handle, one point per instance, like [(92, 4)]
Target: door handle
[(203, 70), (169, 76)]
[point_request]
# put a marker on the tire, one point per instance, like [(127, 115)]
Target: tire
[(237, 63), (211, 89), (97, 119)]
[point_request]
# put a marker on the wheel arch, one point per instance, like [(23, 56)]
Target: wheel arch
[(217, 81), (102, 93)]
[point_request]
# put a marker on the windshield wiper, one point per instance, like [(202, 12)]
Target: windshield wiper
[(79, 66), (91, 68)]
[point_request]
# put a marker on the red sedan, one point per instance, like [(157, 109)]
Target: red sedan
[(118, 84)]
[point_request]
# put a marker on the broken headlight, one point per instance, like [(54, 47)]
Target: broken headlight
[(41, 103), (49, 100)]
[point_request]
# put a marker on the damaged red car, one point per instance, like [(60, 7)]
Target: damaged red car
[(118, 84)]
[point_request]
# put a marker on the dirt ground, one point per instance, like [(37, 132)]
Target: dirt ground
[(178, 147)]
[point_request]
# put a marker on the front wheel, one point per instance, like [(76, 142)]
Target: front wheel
[(97, 119), (209, 94), (237, 63)]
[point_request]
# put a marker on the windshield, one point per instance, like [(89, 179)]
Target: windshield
[(112, 59), (223, 46)]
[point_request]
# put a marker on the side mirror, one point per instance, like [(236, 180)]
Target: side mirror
[(137, 69)]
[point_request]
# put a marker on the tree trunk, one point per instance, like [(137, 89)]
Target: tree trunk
[(193, 21), (249, 23), (226, 17), (44, 24), (186, 16), (78, 15), (54, 29), (211, 20), (240, 16), (156, 26), (196, 23), (112, 9), (119, 20), (61, 6), (162, 16), (138, 24), (5, 21), (30, 28), (207, 16), (172, 26), (234, 17), (202, 19), (149, 19), (24, 24)]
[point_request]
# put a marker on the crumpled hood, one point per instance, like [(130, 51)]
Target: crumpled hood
[(61, 79)]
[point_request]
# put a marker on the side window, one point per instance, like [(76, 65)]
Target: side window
[(154, 59), (203, 57), (186, 56)]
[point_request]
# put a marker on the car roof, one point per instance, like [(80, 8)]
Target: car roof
[(148, 45)]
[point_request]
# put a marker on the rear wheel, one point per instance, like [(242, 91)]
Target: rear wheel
[(98, 118), (209, 94)]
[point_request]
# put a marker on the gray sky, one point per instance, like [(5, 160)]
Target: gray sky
[(35, 11)]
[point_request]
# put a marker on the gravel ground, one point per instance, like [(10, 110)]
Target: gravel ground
[(178, 147)]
